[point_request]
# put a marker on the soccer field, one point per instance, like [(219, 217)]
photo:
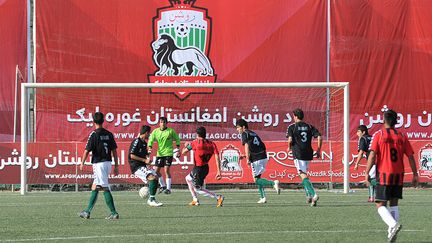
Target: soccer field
[(52, 217)]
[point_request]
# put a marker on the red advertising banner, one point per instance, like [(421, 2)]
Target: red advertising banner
[(383, 48), (56, 163), (13, 49)]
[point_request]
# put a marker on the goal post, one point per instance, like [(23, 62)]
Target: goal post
[(343, 86)]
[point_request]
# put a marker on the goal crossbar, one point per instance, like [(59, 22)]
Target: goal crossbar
[(26, 86)]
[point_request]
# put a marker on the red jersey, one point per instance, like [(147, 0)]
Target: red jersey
[(203, 151), (390, 147)]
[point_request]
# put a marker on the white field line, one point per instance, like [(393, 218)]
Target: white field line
[(200, 234)]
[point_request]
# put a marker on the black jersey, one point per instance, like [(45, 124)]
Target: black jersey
[(257, 149), (101, 142), (138, 147), (301, 145), (363, 144)]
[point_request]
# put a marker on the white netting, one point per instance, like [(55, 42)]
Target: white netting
[(63, 122)]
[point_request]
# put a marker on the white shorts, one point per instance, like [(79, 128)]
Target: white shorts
[(101, 171), (258, 167), (372, 172), (143, 172), (301, 165)]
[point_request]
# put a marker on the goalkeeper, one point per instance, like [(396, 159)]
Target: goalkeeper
[(165, 137)]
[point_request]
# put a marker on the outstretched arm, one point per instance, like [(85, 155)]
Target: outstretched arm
[(414, 170), (359, 158), (83, 159), (318, 151), (218, 175)]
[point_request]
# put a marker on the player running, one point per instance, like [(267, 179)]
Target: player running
[(102, 145), (363, 149), (256, 155), (139, 160), (164, 136), (299, 136), (388, 147), (203, 151)]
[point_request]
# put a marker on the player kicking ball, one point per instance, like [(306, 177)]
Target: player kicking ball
[(203, 149), (388, 147), (139, 160), (102, 145), (256, 155), (299, 136)]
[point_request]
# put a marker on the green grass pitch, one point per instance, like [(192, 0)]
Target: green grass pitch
[(52, 217)]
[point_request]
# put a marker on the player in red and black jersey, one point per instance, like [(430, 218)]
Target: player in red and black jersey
[(387, 149), (203, 150)]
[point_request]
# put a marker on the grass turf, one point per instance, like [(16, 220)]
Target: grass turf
[(43, 216)]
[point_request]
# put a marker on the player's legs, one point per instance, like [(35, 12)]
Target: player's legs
[(168, 162), (168, 179), (160, 163), (148, 176), (258, 168), (105, 170), (371, 188), (302, 168), (191, 187), (384, 194)]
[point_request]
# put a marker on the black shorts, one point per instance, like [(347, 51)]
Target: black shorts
[(163, 161), (198, 175), (385, 193)]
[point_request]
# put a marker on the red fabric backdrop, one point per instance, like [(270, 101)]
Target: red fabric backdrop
[(13, 51)]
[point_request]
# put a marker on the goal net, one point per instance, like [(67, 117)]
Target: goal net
[(55, 132)]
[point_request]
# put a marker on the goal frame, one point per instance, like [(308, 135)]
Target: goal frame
[(25, 87)]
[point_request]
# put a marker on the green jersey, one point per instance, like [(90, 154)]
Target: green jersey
[(165, 139)]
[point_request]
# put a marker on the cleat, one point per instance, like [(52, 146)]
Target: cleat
[(308, 200), (167, 191), (393, 233), (84, 214), (113, 216), (161, 189), (276, 187), (154, 203), (194, 203), (262, 200), (314, 200), (220, 200)]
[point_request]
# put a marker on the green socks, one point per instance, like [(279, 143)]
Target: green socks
[(261, 191), (372, 188), (264, 182), (92, 201), (152, 189), (110, 201), (261, 184), (308, 187)]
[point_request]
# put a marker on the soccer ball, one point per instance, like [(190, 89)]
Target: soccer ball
[(143, 192), (182, 30)]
